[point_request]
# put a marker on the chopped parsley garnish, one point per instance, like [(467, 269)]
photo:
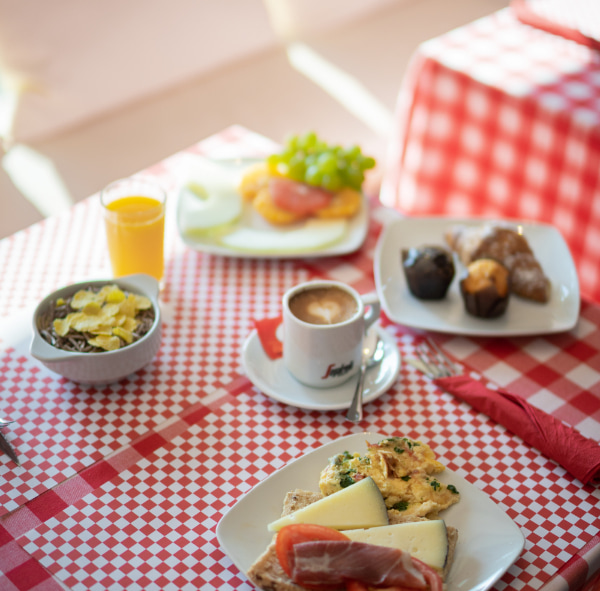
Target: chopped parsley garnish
[(405, 478), (346, 480), (401, 506), (435, 485), (341, 458), (452, 489)]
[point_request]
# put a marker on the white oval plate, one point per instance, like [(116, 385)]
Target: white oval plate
[(448, 315), (353, 238), (273, 379), (488, 540)]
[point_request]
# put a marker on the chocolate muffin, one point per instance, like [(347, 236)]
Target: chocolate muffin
[(485, 288), (429, 271)]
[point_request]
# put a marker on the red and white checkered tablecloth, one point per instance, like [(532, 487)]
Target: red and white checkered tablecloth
[(502, 119), (122, 486)]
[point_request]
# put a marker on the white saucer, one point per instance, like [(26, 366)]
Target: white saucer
[(273, 379)]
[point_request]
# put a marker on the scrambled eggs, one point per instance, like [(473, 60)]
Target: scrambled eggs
[(403, 470)]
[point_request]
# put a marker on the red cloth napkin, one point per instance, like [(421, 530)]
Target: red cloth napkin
[(266, 329), (575, 453)]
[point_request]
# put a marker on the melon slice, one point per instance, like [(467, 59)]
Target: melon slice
[(312, 235), (361, 505), (425, 540)]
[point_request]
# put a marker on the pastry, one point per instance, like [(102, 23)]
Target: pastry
[(485, 288), (429, 271), (507, 246)]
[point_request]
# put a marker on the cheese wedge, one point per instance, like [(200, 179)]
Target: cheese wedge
[(358, 506), (425, 540)]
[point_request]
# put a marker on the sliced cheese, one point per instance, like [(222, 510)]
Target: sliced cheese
[(425, 540), (358, 506)]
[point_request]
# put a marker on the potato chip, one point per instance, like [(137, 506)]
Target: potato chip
[(62, 326), (141, 302), (108, 343), (130, 324), (84, 322), (124, 334), (92, 308), (114, 295), (105, 330), (127, 307), (110, 310), (83, 297)]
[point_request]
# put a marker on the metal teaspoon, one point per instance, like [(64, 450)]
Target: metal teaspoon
[(373, 353)]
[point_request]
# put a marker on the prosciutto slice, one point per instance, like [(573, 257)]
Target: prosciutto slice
[(333, 562)]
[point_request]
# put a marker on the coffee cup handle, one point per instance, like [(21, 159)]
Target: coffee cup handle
[(372, 314)]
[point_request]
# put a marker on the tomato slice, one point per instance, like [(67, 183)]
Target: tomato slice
[(289, 535), (299, 198)]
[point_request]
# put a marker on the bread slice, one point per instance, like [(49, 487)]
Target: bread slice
[(266, 572)]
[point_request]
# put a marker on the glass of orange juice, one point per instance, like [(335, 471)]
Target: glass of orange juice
[(134, 216)]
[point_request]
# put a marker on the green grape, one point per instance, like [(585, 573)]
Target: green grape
[(296, 168), (368, 162), (331, 182), (352, 153), (308, 158), (354, 178), (313, 175), (292, 142), (327, 162), (311, 160), (308, 141)]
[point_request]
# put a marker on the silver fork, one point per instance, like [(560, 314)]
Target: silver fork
[(4, 422), (433, 361)]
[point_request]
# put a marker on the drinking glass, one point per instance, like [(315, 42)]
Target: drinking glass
[(134, 216)]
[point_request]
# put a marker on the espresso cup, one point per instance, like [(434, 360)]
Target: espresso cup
[(324, 324)]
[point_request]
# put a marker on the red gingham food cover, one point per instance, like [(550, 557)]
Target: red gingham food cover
[(122, 486), (502, 119)]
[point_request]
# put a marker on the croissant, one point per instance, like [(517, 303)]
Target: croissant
[(505, 245)]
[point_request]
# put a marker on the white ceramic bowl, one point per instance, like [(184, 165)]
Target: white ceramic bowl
[(108, 366)]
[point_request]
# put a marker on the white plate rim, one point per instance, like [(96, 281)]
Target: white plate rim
[(378, 380), (243, 535), (356, 232), (447, 316)]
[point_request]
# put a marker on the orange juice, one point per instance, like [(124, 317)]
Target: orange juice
[(135, 234)]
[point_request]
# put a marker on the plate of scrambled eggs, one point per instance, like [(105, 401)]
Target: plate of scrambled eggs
[(488, 540)]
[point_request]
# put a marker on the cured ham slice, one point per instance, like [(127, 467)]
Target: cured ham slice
[(333, 562), (299, 198)]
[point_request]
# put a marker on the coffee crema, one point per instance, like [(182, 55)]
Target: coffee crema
[(323, 305)]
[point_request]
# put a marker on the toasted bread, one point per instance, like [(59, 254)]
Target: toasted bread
[(266, 572)]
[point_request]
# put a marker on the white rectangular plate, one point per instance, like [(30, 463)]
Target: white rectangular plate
[(488, 540), (448, 315)]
